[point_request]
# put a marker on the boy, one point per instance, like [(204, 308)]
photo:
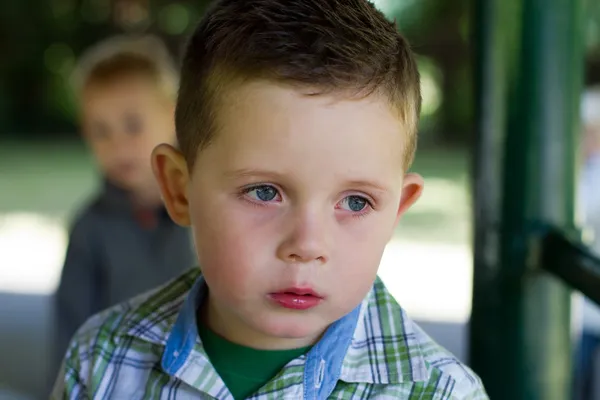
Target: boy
[(296, 123), (123, 243)]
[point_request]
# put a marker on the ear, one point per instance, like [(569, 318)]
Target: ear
[(412, 187), (171, 172)]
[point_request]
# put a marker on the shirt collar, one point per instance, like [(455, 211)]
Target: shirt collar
[(375, 343), (385, 347), (154, 316), (184, 333), (114, 197)]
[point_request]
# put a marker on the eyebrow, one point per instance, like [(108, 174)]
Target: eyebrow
[(251, 173), (366, 184)]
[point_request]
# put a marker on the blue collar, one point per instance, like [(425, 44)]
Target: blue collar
[(323, 364)]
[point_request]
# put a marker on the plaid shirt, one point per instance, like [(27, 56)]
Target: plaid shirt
[(149, 348)]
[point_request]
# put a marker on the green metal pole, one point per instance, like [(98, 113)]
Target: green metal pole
[(528, 91), (492, 306)]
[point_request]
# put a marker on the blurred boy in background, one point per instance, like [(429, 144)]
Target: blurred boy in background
[(122, 243)]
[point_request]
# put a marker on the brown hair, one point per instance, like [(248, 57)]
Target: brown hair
[(122, 56), (342, 46)]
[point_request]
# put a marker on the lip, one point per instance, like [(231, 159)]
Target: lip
[(296, 298)]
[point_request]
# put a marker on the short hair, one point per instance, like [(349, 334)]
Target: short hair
[(124, 55), (342, 46)]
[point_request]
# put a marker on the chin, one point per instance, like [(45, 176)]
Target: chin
[(293, 327), (121, 181), (131, 184)]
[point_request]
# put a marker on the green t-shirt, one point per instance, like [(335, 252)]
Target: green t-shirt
[(243, 369)]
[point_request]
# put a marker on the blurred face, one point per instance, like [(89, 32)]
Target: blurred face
[(291, 208), (122, 122)]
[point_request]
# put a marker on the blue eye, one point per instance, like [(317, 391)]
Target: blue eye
[(262, 193), (354, 203)]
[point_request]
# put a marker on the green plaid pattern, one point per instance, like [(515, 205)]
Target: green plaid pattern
[(117, 355)]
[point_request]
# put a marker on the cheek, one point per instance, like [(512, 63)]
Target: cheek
[(362, 238), (358, 255), (143, 143), (359, 261), (103, 154), (358, 271), (232, 250)]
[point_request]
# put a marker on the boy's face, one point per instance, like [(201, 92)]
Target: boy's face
[(122, 122), (296, 194)]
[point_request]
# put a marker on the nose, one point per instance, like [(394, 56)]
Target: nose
[(307, 240)]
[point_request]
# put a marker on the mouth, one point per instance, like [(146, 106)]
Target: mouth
[(301, 292), (296, 298)]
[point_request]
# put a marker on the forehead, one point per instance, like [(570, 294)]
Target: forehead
[(267, 124), (120, 91)]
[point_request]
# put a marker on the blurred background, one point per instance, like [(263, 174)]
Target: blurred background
[(46, 173)]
